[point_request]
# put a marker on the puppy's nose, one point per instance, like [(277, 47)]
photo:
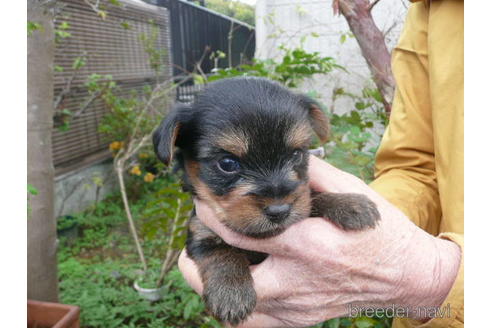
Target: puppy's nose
[(277, 213)]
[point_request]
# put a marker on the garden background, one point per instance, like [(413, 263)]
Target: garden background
[(103, 213)]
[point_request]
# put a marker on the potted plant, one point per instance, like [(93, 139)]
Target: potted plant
[(52, 315), (147, 286), (166, 214)]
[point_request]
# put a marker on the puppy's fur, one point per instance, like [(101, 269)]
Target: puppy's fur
[(243, 149)]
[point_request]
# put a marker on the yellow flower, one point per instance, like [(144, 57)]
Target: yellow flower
[(136, 170), (116, 145), (149, 177), (143, 155)]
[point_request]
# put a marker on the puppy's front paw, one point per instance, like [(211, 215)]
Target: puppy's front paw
[(230, 304), (358, 213), (348, 211)]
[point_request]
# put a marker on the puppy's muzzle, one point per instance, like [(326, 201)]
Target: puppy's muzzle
[(277, 212)]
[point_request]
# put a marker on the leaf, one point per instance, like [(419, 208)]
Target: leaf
[(64, 25), (189, 308), (31, 189), (126, 25), (360, 105), (365, 322), (102, 14), (33, 26), (198, 79), (78, 63), (344, 322), (115, 2), (334, 323)]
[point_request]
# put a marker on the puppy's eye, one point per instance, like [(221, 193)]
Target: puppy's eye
[(297, 156), (228, 165)]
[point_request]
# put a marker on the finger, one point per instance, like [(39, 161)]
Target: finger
[(305, 240), (190, 272), (207, 215), (325, 177)]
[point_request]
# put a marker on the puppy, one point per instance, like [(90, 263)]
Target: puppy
[(243, 148)]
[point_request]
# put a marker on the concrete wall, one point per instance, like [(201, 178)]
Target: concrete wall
[(77, 190), (288, 21)]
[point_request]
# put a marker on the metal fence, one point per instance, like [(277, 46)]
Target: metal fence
[(110, 49), (197, 32), (187, 92)]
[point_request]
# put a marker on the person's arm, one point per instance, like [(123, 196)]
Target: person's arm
[(316, 271), (405, 162)]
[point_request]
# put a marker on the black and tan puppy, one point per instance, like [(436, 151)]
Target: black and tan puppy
[(243, 147)]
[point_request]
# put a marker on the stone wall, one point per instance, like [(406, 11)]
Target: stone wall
[(77, 190)]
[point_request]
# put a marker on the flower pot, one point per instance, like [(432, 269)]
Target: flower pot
[(150, 294), (52, 315)]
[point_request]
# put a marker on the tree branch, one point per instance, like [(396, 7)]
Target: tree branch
[(133, 230), (66, 90), (372, 45), (170, 253), (94, 6), (375, 2), (87, 103)]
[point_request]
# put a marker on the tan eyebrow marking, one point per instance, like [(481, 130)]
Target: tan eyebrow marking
[(299, 136), (233, 141)]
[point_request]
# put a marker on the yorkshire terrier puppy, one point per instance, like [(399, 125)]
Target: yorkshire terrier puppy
[(243, 148)]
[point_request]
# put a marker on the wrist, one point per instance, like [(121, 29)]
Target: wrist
[(430, 272)]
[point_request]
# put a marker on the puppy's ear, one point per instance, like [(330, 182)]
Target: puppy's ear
[(166, 135), (318, 119)]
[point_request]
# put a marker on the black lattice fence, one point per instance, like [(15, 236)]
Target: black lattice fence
[(111, 46), (187, 91), (197, 32)]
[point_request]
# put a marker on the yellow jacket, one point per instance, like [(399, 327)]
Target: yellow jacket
[(419, 166)]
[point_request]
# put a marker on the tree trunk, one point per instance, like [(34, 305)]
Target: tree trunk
[(42, 280), (371, 42)]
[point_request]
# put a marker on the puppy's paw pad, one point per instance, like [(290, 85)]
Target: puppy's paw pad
[(358, 213), (230, 305)]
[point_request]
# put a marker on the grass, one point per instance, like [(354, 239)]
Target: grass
[(97, 271)]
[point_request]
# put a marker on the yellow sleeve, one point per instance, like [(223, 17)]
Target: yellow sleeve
[(456, 297), (453, 312), (405, 167), (405, 163)]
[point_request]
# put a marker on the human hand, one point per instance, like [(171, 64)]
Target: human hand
[(316, 271)]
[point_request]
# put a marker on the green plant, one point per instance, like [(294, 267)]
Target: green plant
[(98, 270), (155, 54), (129, 124), (31, 191), (32, 27), (167, 214), (62, 31), (105, 294), (360, 322), (149, 279), (356, 134), (295, 66), (66, 222)]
